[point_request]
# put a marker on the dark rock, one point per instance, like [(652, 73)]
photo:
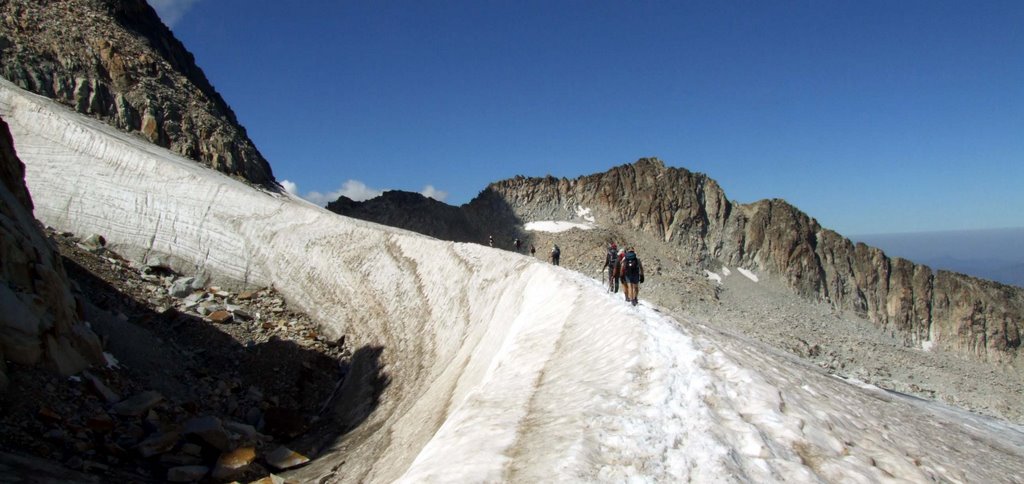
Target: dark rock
[(158, 444), (191, 473), (209, 429), (138, 405)]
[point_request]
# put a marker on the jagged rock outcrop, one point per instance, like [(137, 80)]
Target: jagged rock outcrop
[(958, 312), (115, 59), (691, 213), (39, 321), (486, 215)]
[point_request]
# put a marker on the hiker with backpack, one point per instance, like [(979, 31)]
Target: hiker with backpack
[(632, 272), (556, 254), (517, 244), (611, 261)]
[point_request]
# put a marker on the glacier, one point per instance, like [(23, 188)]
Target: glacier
[(501, 367)]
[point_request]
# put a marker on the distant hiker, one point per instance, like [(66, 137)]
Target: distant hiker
[(611, 261), (490, 240), (556, 254), (632, 275), (533, 250), (517, 244)]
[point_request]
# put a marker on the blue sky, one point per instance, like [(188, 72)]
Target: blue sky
[(872, 117)]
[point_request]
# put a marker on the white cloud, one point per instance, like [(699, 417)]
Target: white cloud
[(290, 187), (431, 192), (171, 11)]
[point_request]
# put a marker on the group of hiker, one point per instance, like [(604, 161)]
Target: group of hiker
[(625, 267)]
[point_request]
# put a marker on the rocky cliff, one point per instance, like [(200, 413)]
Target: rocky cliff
[(39, 322), (115, 59), (690, 213)]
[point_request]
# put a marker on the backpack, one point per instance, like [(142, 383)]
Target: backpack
[(631, 262), (613, 258), (557, 252)]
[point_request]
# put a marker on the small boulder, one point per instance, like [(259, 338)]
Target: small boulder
[(181, 287), (220, 317), (283, 458), (231, 463), (138, 405)]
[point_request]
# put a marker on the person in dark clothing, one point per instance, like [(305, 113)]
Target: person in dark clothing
[(632, 275), (611, 261), (556, 254), (517, 244), (533, 250)]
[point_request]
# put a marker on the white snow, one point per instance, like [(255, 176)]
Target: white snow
[(713, 276), (501, 368), (750, 275), (584, 213), (726, 272), (555, 226)]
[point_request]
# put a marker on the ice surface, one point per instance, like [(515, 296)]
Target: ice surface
[(556, 226), (713, 276), (749, 275), (584, 213), (502, 368)]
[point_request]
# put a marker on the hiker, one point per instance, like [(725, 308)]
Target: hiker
[(533, 250), (490, 240), (556, 254), (611, 261), (517, 244), (632, 272)]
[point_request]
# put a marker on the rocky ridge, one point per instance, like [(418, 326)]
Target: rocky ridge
[(115, 60), (690, 214)]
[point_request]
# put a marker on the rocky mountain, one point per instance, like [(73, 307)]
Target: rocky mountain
[(40, 320), (690, 213), (115, 60), (487, 215)]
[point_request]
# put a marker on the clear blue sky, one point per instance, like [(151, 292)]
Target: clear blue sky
[(871, 116)]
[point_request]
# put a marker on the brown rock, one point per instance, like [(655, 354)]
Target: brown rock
[(47, 414), (246, 295), (220, 316), (283, 458), (231, 463)]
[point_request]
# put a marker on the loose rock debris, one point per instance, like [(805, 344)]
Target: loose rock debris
[(204, 384)]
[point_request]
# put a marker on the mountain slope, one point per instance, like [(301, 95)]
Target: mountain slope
[(502, 368), (691, 214), (115, 59)]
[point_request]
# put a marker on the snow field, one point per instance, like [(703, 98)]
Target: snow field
[(501, 368)]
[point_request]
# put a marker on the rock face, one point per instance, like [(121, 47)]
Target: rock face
[(39, 321), (115, 59), (690, 212), (487, 215)]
